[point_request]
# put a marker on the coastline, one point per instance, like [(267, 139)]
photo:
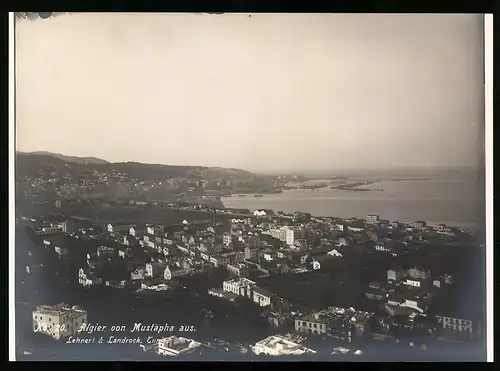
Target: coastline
[(356, 187), (251, 203), (451, 200)]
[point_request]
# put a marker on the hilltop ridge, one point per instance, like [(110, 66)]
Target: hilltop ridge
[(92, 177), (75, 159)]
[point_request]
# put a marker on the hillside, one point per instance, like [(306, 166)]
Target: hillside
[(60, 173), (75, 159), (30, 164)]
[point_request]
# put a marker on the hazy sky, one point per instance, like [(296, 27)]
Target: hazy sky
[(266, 92)]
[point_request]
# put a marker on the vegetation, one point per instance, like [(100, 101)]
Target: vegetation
[(58, 170)]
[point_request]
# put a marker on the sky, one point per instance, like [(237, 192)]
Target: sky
[(264, 92)]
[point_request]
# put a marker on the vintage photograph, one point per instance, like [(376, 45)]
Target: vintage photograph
[(249, 187)]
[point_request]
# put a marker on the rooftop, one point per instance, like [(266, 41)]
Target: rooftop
[(262, 291), (179, 344), (283, 344), (58, 309), (241, 281), (335, 316)]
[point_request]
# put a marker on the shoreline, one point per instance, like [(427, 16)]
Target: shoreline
[(473, 226), (355, 187), (348, 184)]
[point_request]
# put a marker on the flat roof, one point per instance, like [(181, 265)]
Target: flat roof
[(262, 291), (58, 309), (285, 344), (241, 281)]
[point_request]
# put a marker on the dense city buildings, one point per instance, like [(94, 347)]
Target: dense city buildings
[(330, 280)]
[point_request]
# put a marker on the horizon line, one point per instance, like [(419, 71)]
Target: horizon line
[(398, 167)]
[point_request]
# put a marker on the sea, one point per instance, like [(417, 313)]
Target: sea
[(455, 198)]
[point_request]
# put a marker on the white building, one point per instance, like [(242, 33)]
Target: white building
[(259, 213), (241, 286), (341, 242), (290, 237), (413, 304), (169, 273), (117, 228), (268, 256), (372, 219), (285, 234), (277, 345), (238, 270), (146, 285), (394, 275), (61, 250), (275, 233), (261, 297), (138, 274), (87, 278), (412, 283), (462, 325), (58, 321), (282, 234), (334, 253), (419, 224), (156, 269), (47, 231), (173, 346)]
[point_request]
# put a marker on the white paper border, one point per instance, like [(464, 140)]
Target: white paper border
[(12, 184), (488, 83), (488, 132)]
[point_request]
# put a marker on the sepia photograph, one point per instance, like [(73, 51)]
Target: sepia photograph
[(250, 187)]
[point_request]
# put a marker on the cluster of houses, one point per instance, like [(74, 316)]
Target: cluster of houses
[(153, 257), (406, 297), (337, 323), (407, 290), (252, 247), (50, 228)]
